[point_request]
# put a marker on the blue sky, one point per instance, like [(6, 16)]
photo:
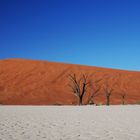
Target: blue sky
[(102, 33)]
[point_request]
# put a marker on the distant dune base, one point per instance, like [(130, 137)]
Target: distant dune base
[(27, 82)]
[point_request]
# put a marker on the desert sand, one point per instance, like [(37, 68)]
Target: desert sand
[(31, 82), (70, 122)]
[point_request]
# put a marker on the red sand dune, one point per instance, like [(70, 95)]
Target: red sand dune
[(28, 82)]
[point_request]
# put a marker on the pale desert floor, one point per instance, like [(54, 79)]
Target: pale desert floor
[(70, 122)]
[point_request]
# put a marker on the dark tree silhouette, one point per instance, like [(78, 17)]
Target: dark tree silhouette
[(108, 87), (122, 85), (108, 93), (123, 97), (79, 85), (95, 91)]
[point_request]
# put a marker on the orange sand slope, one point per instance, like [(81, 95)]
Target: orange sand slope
[(28, 82)]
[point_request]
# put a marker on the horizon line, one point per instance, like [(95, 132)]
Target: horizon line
[(16, 58)]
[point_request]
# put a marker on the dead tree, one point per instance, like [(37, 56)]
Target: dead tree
[(108, 93), (108, 87), (122, 93), (79, 86), (123, 96), (122, 85), (95, 91)]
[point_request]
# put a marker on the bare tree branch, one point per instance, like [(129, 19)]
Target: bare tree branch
[(79, 86), (108, 87), (94, 91)]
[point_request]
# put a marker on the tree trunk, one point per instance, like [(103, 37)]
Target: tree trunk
[(91, 102), (108, 100), (81, 96), (80, 101), (123, 101)]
